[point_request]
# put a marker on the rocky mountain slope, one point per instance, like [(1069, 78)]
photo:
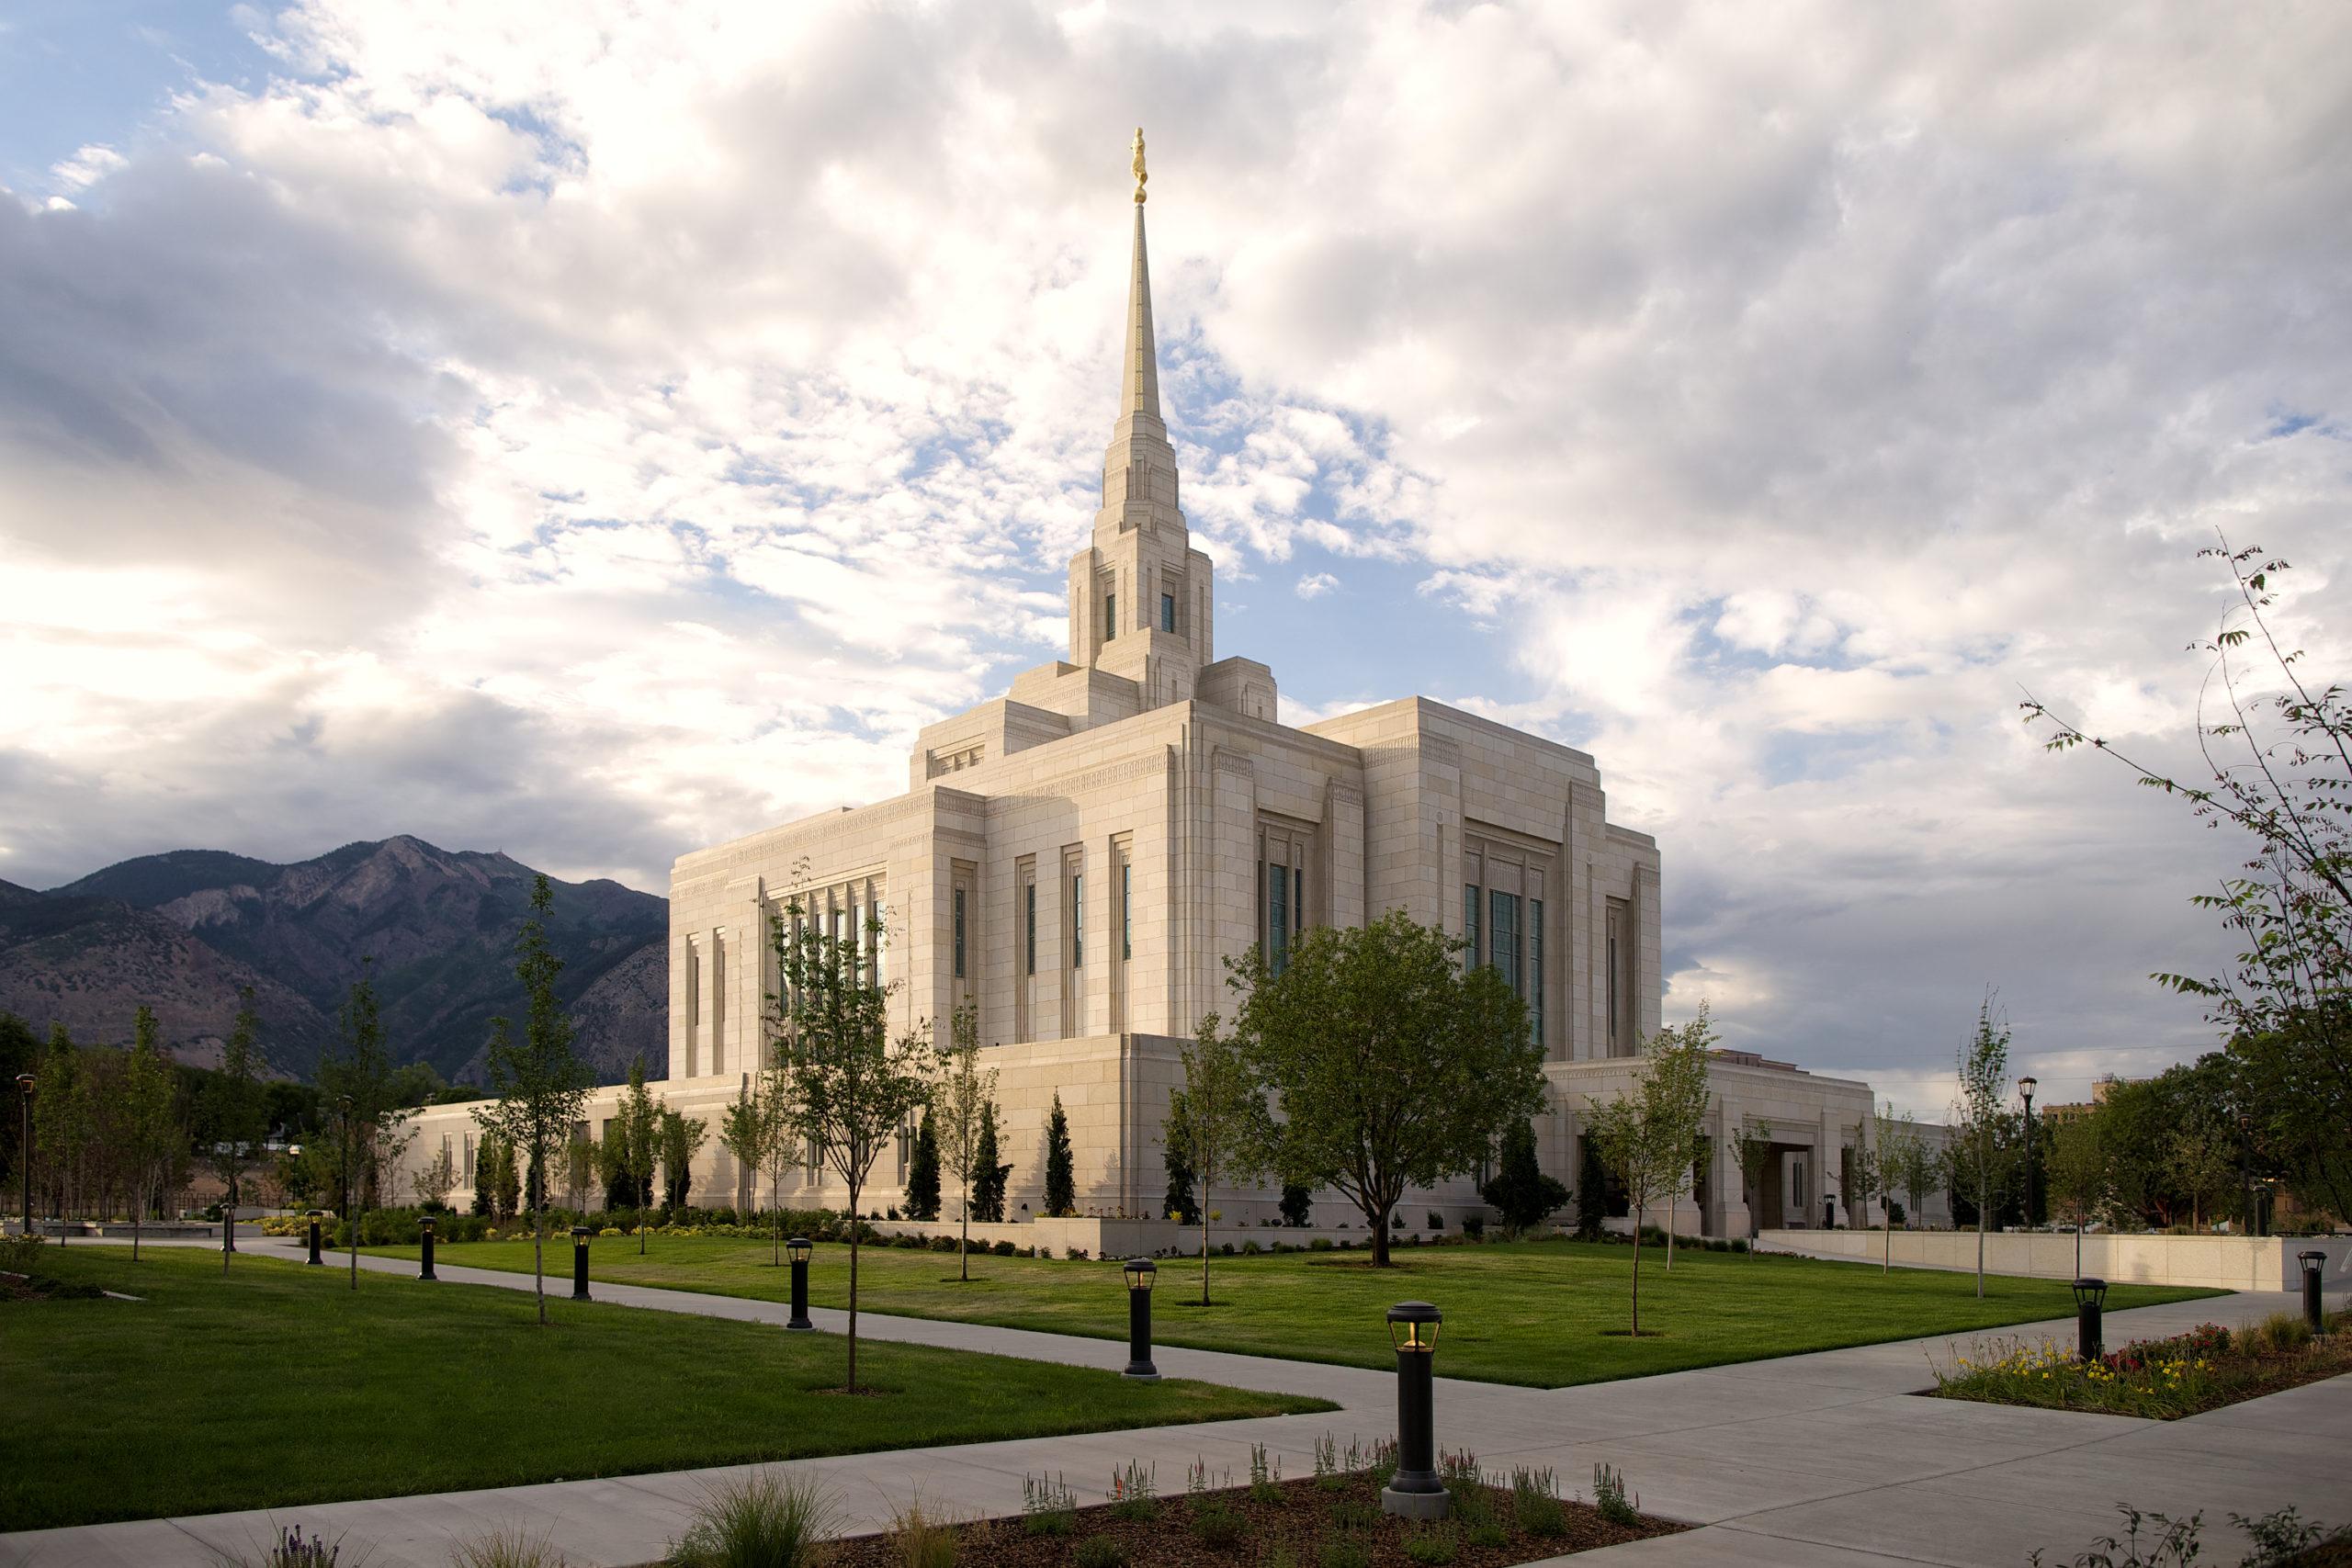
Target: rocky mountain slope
[(181, 931)]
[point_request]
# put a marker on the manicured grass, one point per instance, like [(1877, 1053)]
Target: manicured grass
[(1546, 1314), (282, 1386)]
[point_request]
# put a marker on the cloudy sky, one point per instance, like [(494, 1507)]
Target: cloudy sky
[(597, 432)]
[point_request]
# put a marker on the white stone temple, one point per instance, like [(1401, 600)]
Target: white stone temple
[(1079, 857)]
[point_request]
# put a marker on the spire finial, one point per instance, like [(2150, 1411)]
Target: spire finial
[(1140, 176)]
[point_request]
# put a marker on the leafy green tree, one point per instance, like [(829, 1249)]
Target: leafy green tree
[(64, 1121), (683, 1137), (2201, 1161), (2278, 756), (639, 1128), (1751, 1145), (1220, 1118), (542, 1086), (1880, 1170), (150, 1128), (1921, 1172), (2075, 1167), (1061, 1186), (1394, 1065), (19, 1053), (923, 1173), (1980, 1123), (1592, 1189), (374, 1127), (1178, 1204), (1521, 1193), (235, 1120), (1297, 1204), (852, 1087), (989, 1181), (961, 1101), (1677, 1096)]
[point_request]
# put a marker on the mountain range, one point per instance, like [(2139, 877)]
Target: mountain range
[(185, 931)]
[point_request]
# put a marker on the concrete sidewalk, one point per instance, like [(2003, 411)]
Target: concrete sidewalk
[(1820, 1458)]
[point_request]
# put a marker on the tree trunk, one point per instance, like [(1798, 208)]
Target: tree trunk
[(1886, 1223), (1980, 1250), (138, 1212), (1637, 1271), (1379, 1238), (642, 1194), (964, 1240), (539, 1266), (853, 1290)]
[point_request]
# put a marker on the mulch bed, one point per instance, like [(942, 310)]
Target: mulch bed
[(1296, 1527), (42, 1287)]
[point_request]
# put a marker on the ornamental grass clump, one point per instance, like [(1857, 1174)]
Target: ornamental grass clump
[(761, 1521), (1535, 1505)]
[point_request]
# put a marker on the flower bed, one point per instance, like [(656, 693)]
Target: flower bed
[(2163, 1380), (1332, 1519)]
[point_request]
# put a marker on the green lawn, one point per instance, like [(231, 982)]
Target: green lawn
[(1547, 1314), (282, 1386)]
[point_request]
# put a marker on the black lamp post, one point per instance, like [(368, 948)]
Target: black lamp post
[(798, 1249), (2090, 1304), (1140, 1272), (2315, 1310), (2026, 1085), (579, 1263), (1415, 1492), (24, 1081), (315, 1260), (425, 1239)]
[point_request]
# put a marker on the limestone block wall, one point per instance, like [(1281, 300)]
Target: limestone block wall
[(2217, 1262)]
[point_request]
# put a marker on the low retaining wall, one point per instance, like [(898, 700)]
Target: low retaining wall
[(2223, 1262), (1136, 1238)]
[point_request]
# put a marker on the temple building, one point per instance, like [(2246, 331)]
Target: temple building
[(1076, 859)]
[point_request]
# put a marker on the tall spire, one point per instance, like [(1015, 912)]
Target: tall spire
[(1139, 470), (1139, 380)]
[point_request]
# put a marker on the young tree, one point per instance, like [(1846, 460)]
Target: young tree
[(1592, 1189), (922, 1172), (1645, 1137), (583, 1157), (63, 1122), (683, 1137), (236, 1125), (1521, 1193), (505, 1182), (1878, 1169), (2202, 1158), (1981, 1123), (640, 1127), (1393, 1064), (961, 1101), (852, 1086), (2076, 1169), (741, 1129), (1178, 1205), (149, 1126), (541, 1084), (1922, 1171), (434, 1180), (1752, 1147), (781, 1149), (1220, 1118), (1061, 1186), (359, 1081)]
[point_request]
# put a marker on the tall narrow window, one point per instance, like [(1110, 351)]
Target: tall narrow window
[(1277, 918), (1502, 938), (1470, 924), (1110, 616), (1029, 920), (1612, 993), (959, 934), (1126, 911), (1076, 921), (1536, 967), (1167, 612)]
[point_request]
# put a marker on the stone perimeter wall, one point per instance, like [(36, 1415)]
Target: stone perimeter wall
[(2223, 1262)]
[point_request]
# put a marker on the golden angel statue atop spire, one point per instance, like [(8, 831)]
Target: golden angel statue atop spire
[(1140, 176)]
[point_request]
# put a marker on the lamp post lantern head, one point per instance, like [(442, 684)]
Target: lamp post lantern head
[(2090, 1293), (1141, 1273), (579, 1235), (2314, 1263), (425, 1223), (797, 1248), (1412, 1326), (2026, 1085), (24, 1081)]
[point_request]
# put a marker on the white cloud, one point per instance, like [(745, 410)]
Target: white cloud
[(599, 431)]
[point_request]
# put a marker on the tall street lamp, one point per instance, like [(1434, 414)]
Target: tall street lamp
[(1415, 1492), (1140, 1273), (25, 1146), (2026, 1085)]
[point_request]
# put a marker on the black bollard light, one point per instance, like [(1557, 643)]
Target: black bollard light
[(2314, 1310), (2090, 1304), (424, 1235), (316, 1262), (1140, 1272), (579, 1263), (1415, 1492), (798, 1249)]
